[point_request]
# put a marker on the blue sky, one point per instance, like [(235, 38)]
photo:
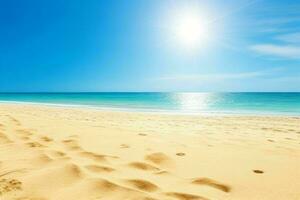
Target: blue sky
[(118, 45)]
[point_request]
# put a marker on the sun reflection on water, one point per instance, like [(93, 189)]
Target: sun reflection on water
[(193, 101)]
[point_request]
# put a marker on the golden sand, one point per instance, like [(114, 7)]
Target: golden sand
[(52, 153)]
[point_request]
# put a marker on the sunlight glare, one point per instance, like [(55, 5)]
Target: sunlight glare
[(189, 29), (192, 101)]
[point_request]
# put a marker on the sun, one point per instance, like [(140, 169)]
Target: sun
[(189, 29)]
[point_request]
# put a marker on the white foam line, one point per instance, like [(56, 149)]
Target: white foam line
[(156, 111)]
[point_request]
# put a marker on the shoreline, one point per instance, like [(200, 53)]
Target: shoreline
[(153, 111)]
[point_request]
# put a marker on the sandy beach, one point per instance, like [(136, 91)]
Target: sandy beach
[(56, 153)]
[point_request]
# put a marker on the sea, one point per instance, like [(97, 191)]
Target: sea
[(236, 103)]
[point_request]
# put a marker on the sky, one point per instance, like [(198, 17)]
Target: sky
[(131, 46)]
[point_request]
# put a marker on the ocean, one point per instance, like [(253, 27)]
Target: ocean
[(272, 103)]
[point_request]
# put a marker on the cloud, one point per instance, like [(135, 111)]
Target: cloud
[(284, 51), (278, 25), (273, 79), (278, 21), (213, 77), (289, 46)]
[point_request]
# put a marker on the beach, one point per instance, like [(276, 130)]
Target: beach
[(65, 153)]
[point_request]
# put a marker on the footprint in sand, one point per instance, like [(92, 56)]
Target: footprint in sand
[(158, 158), (93, 156), (184, 196), (142, 185), (163, 172), (143, 166), (291, 130), (142, 134), (56, 154), (46, 139), (180, 154), (265, 128), (96, 157), (211, 183), (34, 145), (257, 171), (124, 146), (9, 185), (99, 168), (71, 145)]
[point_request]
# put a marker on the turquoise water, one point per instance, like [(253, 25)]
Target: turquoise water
[(214, 103)]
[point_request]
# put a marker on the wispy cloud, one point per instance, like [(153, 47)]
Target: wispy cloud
[(279, 21), (276, 24), (287, 46), (276, 17), (284, 51), (261, 80), (213, 77)]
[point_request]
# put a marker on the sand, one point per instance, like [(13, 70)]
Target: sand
[(56, 153)]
